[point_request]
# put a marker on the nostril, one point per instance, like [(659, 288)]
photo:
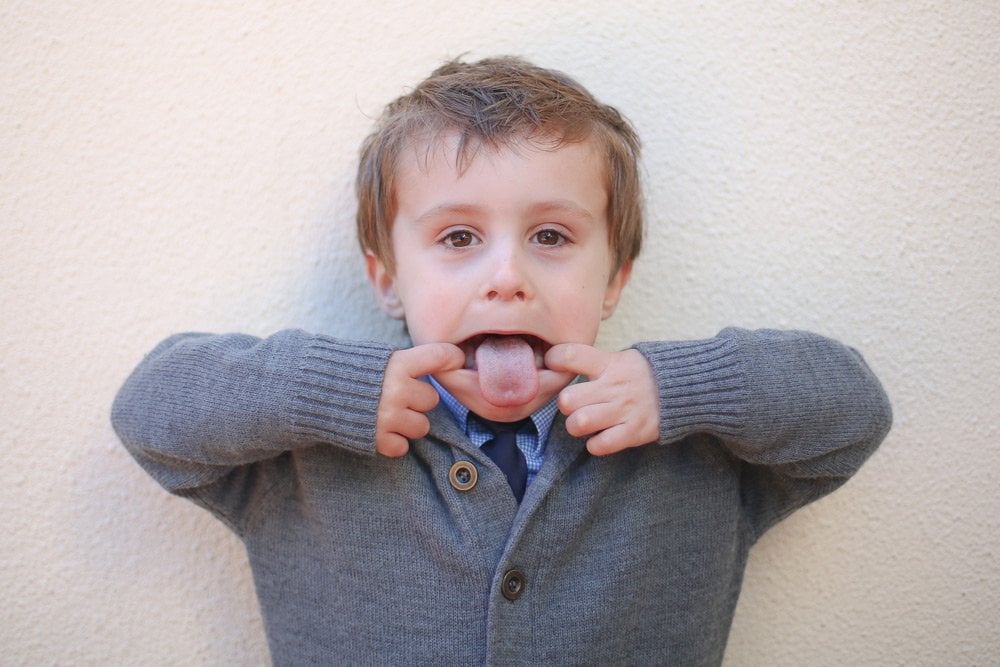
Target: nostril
[(519, 295)]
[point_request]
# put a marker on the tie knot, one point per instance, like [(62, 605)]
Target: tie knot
[(503, 450), (496, 428)]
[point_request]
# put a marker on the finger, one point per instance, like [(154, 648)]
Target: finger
[(611, 441), (392, 445), (419, 396), (592, 419), (576, 358), (411, 424), (432, 358), (579, 395)]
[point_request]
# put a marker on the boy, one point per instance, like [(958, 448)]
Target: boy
[(524, 519)]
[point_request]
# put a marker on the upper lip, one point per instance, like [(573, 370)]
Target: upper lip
[(469, 345)]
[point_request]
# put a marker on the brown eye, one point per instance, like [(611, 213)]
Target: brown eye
[(548, 237), (460, 239)]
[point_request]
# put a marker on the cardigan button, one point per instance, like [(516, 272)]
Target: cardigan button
[(512, 584), (463, 476)]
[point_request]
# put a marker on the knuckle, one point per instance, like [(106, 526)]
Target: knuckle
[(577, 425), (426, 402), (395, 446), (597, 446), (435, 356), (570, 354), (568, 396)]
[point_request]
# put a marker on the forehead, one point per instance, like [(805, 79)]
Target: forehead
[(522, 170)]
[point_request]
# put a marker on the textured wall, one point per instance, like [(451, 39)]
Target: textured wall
[(177, 166)]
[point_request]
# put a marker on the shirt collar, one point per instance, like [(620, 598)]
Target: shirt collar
[(542, 418)]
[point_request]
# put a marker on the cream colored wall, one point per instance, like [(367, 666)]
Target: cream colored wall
[(178, 166)]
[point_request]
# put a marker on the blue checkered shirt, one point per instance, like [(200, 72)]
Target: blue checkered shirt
[(532, 445)]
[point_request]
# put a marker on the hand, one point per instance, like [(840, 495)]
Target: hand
[(619, 403), (405, 397)]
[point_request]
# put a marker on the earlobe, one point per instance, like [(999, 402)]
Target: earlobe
[(614, 291), (384, 285)]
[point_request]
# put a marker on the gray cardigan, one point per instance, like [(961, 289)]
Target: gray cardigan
[(634, 558)]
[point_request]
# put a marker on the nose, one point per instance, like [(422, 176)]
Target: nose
[(508, 278)]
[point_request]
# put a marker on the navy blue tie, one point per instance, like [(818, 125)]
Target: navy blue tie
[(506, 454)]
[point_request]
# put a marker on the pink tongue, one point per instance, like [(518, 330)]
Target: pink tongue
[(507, 373)]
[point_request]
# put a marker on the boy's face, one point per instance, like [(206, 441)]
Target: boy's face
[(513, 251)]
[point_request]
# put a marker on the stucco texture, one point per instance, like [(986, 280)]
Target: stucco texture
[(188, 166)]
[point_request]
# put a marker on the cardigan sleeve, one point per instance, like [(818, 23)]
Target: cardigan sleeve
[(799, 412), (200, 406)]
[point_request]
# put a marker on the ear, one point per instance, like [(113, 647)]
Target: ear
[(614, 290), (385, 286)]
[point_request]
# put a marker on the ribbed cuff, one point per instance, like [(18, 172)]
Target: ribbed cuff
[(702, 386), (337, 391)]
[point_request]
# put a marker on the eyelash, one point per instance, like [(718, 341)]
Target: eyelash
[(463, 238)]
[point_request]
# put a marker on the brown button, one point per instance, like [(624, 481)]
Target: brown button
[(463, 476), (512, 585)]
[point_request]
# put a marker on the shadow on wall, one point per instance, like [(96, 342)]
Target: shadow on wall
[(168, 567)]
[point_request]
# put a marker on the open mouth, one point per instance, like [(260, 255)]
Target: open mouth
[(470, 345)]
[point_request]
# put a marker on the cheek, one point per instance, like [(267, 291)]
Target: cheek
[(431, 312), (580, 312)]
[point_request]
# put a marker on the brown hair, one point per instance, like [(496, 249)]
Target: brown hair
[(495, 102)]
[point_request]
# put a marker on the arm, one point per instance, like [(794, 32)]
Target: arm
[(779, 398), (199, 406), (800, 412)]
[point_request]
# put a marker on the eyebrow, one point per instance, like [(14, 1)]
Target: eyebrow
[(448, 208), (561, 206), (456, 208)]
